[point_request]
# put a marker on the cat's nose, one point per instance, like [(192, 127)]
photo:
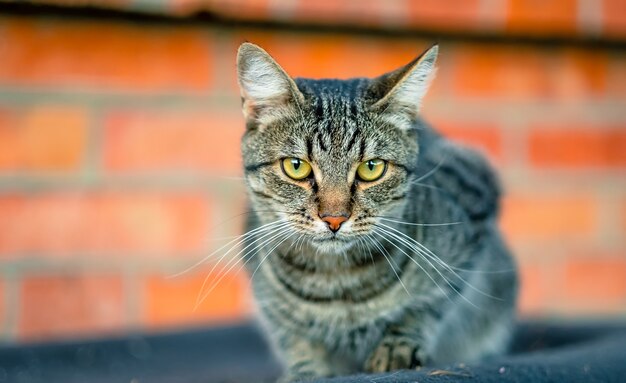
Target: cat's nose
[(334, 221)]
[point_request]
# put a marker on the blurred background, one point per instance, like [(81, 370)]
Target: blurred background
[(120, 128)]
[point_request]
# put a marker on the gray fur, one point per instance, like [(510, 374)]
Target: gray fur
[(366, 298)]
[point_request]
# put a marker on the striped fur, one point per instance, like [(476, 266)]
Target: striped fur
[(368, 298)]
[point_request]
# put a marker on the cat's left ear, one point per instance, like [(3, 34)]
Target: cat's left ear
[(266, 89), (399, 94)]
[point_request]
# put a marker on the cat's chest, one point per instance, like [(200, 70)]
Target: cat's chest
[(289, 306), (351, 340), (341, 325), (344, 329)]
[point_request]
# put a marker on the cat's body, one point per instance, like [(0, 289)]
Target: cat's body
[(356, 269)]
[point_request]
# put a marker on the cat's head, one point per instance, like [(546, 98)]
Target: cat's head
[(329, 157)]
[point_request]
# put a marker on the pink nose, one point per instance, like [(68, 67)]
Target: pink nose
[(334, 222)]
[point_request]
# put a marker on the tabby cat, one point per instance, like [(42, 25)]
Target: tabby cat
[(373, 243)]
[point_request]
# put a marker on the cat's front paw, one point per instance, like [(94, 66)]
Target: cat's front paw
[(394, 353)]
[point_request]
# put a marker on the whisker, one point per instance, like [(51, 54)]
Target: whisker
[(363, 246), (369, 249), (454, 288), (233, 262), (446, 224), (276, 237), (223, 273), (384, 253), (235, 258), (418, 265), (270, 253), (428, 253), (250, 211), (344, 255), (241, 238), (262, 235), (420, 224), (300, 239), (426, 186), (433, 170)]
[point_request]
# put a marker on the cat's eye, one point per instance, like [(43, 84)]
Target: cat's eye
[(371, 170), (296, 168)]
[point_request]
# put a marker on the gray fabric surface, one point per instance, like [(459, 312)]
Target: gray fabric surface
[(542, 352)]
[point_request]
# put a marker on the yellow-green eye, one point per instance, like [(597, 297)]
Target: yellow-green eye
[(296, 168), (371, 170)]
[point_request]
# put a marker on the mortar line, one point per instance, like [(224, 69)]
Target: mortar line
[(283, 23)]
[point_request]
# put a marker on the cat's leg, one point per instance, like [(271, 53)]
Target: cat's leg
[(303, 359), (401, 347), (482, 323), (395, 353)]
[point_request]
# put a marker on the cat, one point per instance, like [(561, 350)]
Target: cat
[(372, 242)]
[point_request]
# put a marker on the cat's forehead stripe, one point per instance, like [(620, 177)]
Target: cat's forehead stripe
[(320, 140), (309, 148), (319, 108), (352, 141)]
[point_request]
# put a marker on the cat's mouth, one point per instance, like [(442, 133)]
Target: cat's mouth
[(333, 243)]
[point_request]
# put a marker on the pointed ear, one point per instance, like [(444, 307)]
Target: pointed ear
[(265, 87), (399, 94)]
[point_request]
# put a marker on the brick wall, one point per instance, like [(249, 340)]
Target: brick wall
[(119, 156)]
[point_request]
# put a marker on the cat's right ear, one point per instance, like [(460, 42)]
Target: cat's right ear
[(266, 89)]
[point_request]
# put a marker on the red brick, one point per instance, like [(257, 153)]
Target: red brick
[(555, 217), (499, 72), (151, 140), (616, 76), (450, 14), (104, 55), (78, 224), (542, 16), (485, 137), (322, 11), (172, 301), (577, 146), (44, 138), (534, 294), (378, 13), (580, 74), (596, 283), (333, 56), (8, 123), (54, 306), (614, 17), (238, 9), (623, 216), (325, 56)]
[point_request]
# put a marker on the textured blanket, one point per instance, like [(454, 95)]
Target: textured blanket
[(542, 352)]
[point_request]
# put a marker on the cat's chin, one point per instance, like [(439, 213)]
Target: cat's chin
[(332, 246)]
